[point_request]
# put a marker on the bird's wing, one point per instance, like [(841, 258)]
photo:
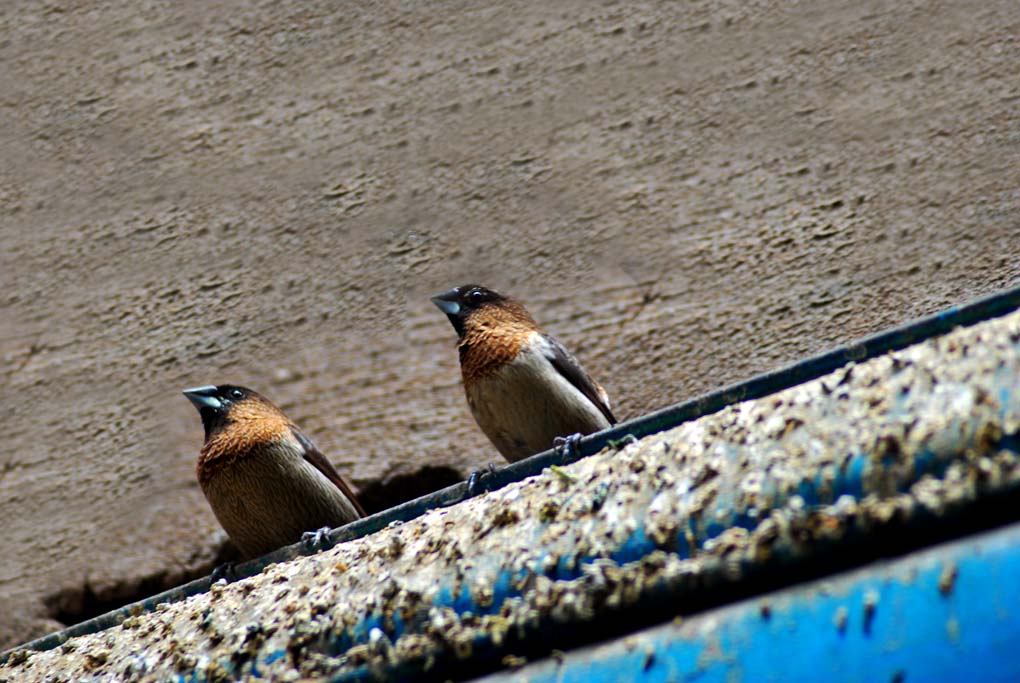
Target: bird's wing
[(567, 365), (319, 462)]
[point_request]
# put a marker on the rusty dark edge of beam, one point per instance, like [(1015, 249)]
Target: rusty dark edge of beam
[(985, 308)]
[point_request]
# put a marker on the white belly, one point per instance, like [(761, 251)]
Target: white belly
[(528, 403)]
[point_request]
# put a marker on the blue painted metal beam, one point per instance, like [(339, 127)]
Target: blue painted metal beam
[(949, 613)]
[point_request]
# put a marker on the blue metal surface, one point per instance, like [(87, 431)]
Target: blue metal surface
[(950, 613), (948, 444)]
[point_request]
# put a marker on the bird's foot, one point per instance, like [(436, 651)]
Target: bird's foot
[(567, 447), (317, 541), (475, 485), (224, 572)]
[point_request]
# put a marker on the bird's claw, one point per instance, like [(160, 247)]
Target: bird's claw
[(224, 572), (475, 485), (318, 540), (566, 447)]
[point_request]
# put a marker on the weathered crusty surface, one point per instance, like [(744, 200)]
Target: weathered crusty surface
[(261, 192), (905, 437)]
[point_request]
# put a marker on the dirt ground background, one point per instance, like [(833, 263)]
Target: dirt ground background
[(267, 193)]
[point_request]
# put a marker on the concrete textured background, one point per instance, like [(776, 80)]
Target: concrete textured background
[(266, 193)]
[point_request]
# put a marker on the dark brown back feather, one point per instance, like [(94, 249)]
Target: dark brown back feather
[(319, 461), (567, 365)]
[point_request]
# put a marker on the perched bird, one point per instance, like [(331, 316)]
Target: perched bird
[(265, 480), (525, 390)]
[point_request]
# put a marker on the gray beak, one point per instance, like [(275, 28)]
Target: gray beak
[(447, 301), (204, 397)]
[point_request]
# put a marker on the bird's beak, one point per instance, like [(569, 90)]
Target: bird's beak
[(447, 302), (204, 397)]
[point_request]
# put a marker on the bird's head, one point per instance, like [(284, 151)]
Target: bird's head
[(225, 404), (468, 303)]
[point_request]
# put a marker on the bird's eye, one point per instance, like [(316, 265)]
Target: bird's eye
[(476, 296), (236, 393)]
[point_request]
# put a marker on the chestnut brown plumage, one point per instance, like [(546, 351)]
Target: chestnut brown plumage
[(265, 481), (523, 387)]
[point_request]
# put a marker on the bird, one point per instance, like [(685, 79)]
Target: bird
[(525, 390), (265, 480)]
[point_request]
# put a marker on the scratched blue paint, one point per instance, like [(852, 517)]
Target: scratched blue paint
[(713, 528), (464, 602), (1004, 393), (688, 529), (357, 633), (808, 491), (918, 632), (275, 656), (634, 548), (854, 472)]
